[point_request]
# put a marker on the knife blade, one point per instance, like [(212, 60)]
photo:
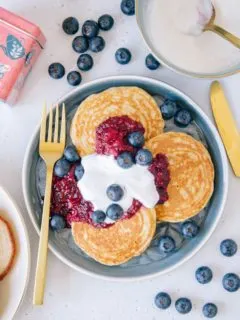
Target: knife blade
[(226, 124)]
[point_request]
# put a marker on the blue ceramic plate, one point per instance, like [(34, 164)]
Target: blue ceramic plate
[(151, 262)]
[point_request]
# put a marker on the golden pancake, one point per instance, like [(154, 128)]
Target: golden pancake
[(191, 172), (117, 101), (121, 242)]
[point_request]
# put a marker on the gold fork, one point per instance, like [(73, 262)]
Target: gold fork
[(50, 149)]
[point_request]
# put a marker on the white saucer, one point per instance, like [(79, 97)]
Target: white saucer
[(12, 288)]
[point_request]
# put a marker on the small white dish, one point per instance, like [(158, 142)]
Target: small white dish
[(13, 286)]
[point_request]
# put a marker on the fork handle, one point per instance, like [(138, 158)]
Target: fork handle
[(40, 276)]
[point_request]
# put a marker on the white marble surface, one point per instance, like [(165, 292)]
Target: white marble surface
[(71, 295)]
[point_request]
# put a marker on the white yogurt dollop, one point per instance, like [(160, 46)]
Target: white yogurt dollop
[(101, 171), (192, 15)]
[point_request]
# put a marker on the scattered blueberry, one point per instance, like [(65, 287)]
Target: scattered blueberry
[(228, 247), (61, 168), (79, 172), (189, 229), (168, 109), (136, 139), (70, 25), (56, 70), (90, 29), (163, 300), (71, 154), (57, 222), (74, 78), (231, 282), (128, 7), (96, 44), (106, 22), (123, 55), (85, 62), (167, 244), (114, 212), (210, 310), (80, 44), (203, 275), (98, 216), (143, 157), (151, 62), (125, 160), (182, 118), (115, 192), (183, 305)]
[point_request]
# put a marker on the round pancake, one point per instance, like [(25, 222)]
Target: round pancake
[(191, 173), (121, 242), (117, 101)]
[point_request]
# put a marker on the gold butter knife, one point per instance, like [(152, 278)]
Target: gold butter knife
[(226, 124)]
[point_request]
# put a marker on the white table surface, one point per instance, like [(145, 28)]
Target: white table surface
[(69, 294)]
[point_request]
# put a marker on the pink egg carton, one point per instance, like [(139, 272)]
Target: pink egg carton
[(21, 42)]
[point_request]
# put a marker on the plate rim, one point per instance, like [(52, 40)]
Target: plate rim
[(27, 280), (110, 79)]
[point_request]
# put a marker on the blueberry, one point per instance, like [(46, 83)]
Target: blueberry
[(168, 109), (74, 78), (231, 282), (90, 29), (98, 216), (151, 62), (105, 22), (80, 44), (136, 139), (79, 172), (56, 70), (228, 247), (96, 44), (183, 305), (123, 55), (182, 118), (210, 310), (189, 229), (57, 222), (203, 275), (166, 244), (115, 192), (70, 25), (71, 154), (85, 62), (128, 7), (114, 211), (143, 157), (163, 300), (125, 160), (61, 168)]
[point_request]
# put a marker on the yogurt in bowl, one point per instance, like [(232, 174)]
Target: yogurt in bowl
[(174, 32)]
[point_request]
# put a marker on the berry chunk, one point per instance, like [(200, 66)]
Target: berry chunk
[(71, 154), (96, 44), (125, 160), (61, 168), (85, 62), (210, 310), (80, 44), (183, 305), (90, 29), (79, 172), (151, 62), (168, 109), (74, 78), (163, 300), (98, 216), (166, 244), (57, 222), (228, 247), (106, 22), (189, 229), (143, 157), (70, 25), (182, 118), (123, 56), (56, 70), (136, 139), (115, 192), (203, 274), (128, 7), (231, 282), (114, 212)]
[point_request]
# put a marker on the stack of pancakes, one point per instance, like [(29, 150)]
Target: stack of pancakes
[(190, 165)]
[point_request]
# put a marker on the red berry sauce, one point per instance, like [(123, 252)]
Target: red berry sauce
[(111, 139)]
